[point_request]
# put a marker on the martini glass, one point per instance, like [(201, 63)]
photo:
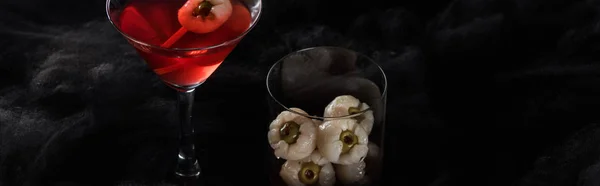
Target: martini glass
[(183, 59), (343, 93)]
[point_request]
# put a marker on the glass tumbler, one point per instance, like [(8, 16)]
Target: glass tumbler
[(327, 109)]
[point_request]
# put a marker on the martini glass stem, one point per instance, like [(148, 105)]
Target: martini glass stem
[(187, 164)]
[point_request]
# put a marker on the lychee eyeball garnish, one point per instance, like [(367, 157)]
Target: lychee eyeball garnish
[(204, 16)]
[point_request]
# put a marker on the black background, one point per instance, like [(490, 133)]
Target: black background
[(482, 92)]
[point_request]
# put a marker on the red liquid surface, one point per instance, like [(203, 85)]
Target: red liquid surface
[(154, 21)]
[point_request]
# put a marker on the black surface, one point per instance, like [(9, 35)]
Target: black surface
[(481, 92)]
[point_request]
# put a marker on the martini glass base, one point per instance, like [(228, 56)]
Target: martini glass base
[(187, 166)]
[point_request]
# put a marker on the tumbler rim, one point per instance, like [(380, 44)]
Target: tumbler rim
[(383, 92)]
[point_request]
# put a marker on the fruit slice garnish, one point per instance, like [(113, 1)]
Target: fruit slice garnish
[(203, 16), (132, 21)]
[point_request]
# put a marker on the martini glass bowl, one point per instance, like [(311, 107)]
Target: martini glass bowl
[(181, 58), (327, 106)]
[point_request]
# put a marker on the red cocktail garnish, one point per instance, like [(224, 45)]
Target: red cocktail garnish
[(200, 16)]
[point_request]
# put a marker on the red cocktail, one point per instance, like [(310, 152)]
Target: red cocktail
[(184, 42), (155, 21)]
